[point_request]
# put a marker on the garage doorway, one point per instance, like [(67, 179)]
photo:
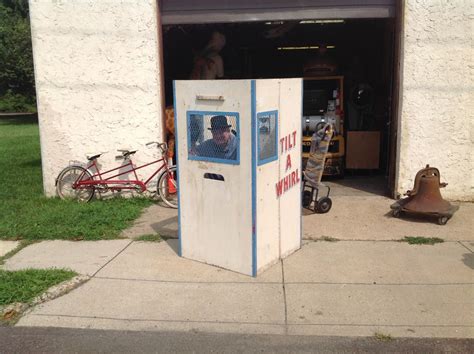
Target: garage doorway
[(348, 64)]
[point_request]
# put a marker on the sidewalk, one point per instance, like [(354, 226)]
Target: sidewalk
[(357, 216), (346, 288)]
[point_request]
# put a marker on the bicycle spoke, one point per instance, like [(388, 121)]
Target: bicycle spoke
[(66, 180), (168, 187)]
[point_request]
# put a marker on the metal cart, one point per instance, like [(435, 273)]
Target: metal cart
[(314, 171)]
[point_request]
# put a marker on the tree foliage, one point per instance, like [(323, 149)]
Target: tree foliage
[(17, 90)]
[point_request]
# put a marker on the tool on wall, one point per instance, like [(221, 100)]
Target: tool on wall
[(361, 105), (425, 197)]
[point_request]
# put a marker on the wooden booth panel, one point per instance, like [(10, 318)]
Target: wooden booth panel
[(215, 215), (250, 216), (362, 150)]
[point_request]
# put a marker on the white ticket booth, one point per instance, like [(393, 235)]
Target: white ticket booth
[(239, 171)]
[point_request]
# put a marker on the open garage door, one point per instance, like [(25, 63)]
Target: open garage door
[(345, 50), (224, 11)]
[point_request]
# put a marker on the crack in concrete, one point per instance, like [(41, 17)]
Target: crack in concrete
[(190, 282), (258, 323), (284, 295), (462, 244), (93, 275)]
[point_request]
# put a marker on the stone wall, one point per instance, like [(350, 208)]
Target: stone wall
[(437, 123), (97, 69)]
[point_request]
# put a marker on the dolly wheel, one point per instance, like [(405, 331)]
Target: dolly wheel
[(396, 213), (442, 220), (324, 205)]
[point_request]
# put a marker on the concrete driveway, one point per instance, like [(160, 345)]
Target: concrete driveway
[(357, 216)]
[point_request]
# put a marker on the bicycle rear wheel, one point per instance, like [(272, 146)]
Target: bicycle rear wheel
[(167, 187), (65, 184)]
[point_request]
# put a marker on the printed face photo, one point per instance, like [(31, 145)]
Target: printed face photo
[(213, 137)]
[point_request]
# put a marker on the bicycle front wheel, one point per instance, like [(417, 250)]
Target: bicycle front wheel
[(65, 184), (167, 187)]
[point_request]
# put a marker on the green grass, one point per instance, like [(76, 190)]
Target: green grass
[(383, 337), (422, 240), (24, 211), (25, 285), (149, 238), (328, 239)]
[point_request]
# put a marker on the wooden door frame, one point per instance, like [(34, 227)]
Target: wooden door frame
[(396, 104), (161, 68)]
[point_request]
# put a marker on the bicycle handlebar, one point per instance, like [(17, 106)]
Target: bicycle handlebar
[(162, 146)]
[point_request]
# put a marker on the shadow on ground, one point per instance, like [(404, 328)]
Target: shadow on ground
[(18, 119), (173, 245), (468, 259), (166, 227), (357, 185), (32, 163)]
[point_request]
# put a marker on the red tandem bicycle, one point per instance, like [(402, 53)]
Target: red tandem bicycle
[(80, 183)]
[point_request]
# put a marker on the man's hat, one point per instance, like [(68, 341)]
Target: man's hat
[(219, 122)]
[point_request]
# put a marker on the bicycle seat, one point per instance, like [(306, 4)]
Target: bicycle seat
[(93, 157), (127, 153)]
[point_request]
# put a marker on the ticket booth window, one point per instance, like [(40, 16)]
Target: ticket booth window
[(213, 137), (267, 130)]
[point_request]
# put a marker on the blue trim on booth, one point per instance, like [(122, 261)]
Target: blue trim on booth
[(301, 169), (275, 157), (254, 176), (180, 253), (213, 159)]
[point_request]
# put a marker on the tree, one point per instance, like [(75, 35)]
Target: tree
[(17, 91)]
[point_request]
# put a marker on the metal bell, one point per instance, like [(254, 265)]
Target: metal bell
[(425, 197)]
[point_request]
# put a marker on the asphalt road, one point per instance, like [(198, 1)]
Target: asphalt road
[(61, 340)]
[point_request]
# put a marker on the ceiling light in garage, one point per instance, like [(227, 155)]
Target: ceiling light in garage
[(299, 48), (309, 22), (305, 47), (274, 23)]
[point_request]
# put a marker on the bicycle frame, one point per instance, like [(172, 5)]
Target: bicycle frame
[(114, 184)]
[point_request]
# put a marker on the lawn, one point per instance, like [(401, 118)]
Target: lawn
[(25, 285), (25, 213)]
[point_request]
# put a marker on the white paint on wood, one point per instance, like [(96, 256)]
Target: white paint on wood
[(290, 202), (268, 206), (216, 216)]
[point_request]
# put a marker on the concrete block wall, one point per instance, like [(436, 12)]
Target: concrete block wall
[(97, 69), (437, 123)]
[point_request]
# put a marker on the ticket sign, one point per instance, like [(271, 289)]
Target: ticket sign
[(239, 163)]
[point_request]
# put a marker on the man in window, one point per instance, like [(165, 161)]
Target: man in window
[(223, 145)]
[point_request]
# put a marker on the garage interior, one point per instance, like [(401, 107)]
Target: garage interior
[(348, 70)]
